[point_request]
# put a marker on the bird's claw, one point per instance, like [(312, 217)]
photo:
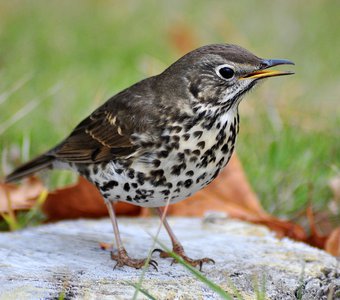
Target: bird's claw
[(180, 252), (122, 259)]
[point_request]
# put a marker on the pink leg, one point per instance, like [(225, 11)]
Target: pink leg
[(177, 246), (121, 257)]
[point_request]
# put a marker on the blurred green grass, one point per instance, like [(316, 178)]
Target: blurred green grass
[(75, 54)]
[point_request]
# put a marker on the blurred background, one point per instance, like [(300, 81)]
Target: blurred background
[(60, 59)]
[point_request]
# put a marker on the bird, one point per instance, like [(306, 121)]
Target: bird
[(162, 139)]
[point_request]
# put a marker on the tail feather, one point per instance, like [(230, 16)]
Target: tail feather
[(29, 168)]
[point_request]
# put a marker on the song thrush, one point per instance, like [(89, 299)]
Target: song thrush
[(165, 137)]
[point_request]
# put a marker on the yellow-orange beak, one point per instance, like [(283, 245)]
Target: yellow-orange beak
[(268, 63)]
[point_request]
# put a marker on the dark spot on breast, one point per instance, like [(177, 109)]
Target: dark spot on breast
[(201, 177), (209, 152), (221, 135), (177, 190), (180, 156), (203, 163), (176, 170), (189, 173), (187, 151), (106, 195), (198, 134), (201, 145), (216, 173), (134, 185), (126, 187), (157, 173), (176, 129), (176, 138), (156, 163), (201, 115), (188, 183), (165, 138), (225, 148), (131, 173), (140, 178), (109, 185), (119, 171), (221, 161), (165, 192), (174, 145), (179, 183), (196, 152), (193, 158), (159, 181), (186, 136), (163, 154)]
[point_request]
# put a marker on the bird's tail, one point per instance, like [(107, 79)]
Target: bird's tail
[(37, 164)]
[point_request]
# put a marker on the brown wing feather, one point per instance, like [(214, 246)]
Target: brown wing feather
[(98, 138), (106, 133)]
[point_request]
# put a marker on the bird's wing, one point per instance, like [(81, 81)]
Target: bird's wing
[(107, 133)]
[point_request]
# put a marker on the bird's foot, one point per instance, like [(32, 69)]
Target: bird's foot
[(123, 259), (179, 250)]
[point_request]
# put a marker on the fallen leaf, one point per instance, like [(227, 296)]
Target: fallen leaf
[(332, 244), (22, 196), (315, 237)]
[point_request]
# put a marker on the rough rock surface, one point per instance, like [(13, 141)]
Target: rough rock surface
[(64, 258)]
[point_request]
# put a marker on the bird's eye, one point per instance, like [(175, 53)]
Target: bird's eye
[(225, 72)]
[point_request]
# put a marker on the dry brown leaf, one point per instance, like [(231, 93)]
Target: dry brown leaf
[(315, 238), (21, 196), (332, 244)]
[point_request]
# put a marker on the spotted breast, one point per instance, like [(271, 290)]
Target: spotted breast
[(189, 157)]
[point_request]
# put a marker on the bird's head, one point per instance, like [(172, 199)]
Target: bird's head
[(220, 74)]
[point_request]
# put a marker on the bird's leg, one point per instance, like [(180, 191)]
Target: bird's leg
[(177, 246), (120, 255)]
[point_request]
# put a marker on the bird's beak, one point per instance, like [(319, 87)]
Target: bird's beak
[(268, 63)]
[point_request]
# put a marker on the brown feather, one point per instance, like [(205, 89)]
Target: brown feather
[(106, 133)]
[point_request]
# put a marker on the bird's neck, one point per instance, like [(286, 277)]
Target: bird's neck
[(215, 116)]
